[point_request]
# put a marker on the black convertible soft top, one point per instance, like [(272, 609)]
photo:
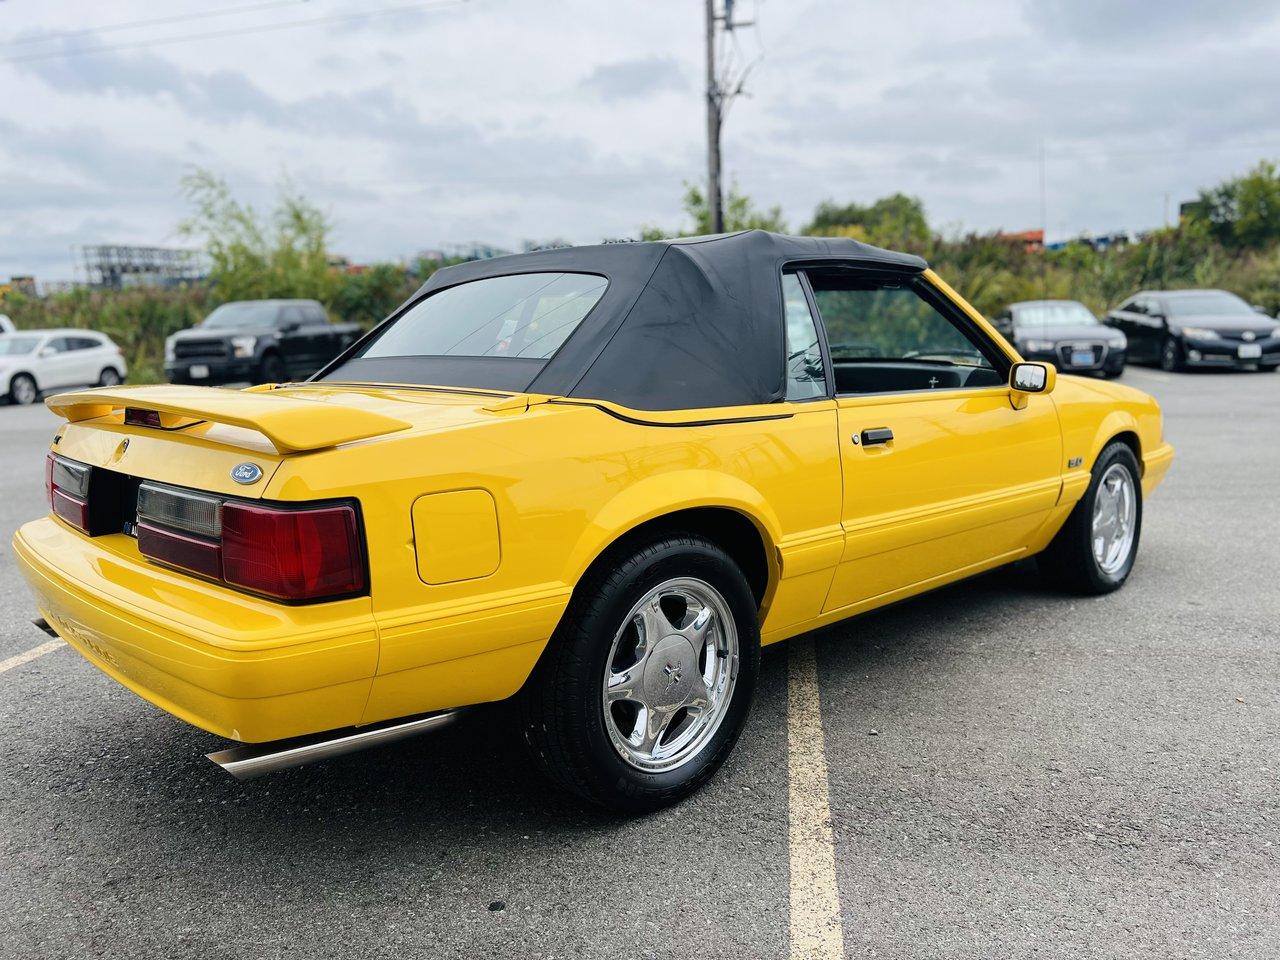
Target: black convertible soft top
[(683, 324)]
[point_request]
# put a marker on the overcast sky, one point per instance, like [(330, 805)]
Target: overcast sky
[(500, 120)]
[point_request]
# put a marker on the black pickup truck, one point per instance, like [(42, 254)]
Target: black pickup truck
[(260, 341)]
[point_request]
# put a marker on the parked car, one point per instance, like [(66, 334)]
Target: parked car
[(6, 325), (1197, 328), (1065, 333), (34, 361), (597, 479), (266, 341)]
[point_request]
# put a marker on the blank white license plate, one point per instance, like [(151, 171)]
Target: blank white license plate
[(1250, 351), (199, 372), (1081, 358)]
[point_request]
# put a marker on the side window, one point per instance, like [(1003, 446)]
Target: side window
[(885, 337), (1136, 305), (83, 343), (58, 344), (315, 313), (290, 314), (806, 374)]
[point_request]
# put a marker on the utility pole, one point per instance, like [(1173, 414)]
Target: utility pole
[(723, 84), (715, 198)]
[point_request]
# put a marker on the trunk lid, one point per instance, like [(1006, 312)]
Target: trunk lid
[(200, 436)]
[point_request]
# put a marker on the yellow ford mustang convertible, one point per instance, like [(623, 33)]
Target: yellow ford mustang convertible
[(594, 479)]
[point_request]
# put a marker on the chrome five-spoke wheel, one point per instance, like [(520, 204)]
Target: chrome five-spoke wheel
[(1114, 513), (670, 676)]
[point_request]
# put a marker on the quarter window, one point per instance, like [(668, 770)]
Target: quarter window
[(885, 337), (806, 373)]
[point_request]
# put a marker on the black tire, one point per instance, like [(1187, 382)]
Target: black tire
[(1069, 562), (110, 377), (561, 712), (1113, 374), (22, 390), (1171, 357), (271, 369)]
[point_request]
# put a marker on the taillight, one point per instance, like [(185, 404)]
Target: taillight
[(67, 484), (293, 554), (287, 553), (177, 550)]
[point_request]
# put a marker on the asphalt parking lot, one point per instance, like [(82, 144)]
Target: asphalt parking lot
[(1009, 772)]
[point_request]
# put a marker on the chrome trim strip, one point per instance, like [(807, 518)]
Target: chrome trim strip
[(256, 759)]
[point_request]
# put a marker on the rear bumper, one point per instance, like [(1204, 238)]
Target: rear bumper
[(237, 666)]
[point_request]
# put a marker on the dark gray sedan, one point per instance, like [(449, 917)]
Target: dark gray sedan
[(1064, 333), (1197, 328)]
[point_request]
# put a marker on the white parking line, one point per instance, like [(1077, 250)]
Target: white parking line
[(19, 659), (816, 929)]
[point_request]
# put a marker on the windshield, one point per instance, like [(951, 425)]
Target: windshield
[(1068, 313), (248, 313), (14, 346), (526, 316), (1209, 303)]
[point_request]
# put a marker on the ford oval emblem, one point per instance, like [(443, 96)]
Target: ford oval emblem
[(246, 473)]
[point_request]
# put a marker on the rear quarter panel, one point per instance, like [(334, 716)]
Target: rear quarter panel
[(567, 479)]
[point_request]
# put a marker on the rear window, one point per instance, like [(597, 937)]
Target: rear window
[(525, 316), (11, 346)]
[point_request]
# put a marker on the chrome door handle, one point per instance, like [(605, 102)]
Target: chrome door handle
[(875, 435)]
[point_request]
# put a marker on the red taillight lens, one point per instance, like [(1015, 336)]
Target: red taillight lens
[(67, 484), (292, 554), (179, 550), (71, 509)]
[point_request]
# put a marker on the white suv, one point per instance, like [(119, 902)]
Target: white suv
[(34, 361)]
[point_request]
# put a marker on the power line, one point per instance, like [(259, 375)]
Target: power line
[(154, 22), (235, 31)]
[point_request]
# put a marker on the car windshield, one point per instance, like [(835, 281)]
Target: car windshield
[(526, 316), (15, 346), (249, 313), (1209, 303), (1064, 314)]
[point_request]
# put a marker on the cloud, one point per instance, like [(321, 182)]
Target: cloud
[(635, 79), (1137, 25), (504, 120)]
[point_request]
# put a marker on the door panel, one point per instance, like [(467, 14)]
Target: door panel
[(966, 478), (58, 369)]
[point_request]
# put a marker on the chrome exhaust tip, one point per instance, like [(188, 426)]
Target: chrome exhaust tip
[(257, 759), (41, 624)]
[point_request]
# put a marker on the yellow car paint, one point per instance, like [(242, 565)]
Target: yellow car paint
[(482, 510)]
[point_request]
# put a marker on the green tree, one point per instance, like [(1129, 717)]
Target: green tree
[(1243, 212), (740, 213), (894, 221), (284, 254)]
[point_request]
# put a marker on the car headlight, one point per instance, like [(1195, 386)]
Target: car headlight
[(1201, 333), (1040, 346), (242, 347)]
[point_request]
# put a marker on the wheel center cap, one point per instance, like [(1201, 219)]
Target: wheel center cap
[(670, 673)]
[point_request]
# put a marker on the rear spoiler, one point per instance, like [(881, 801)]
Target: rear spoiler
[(291, 423)]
